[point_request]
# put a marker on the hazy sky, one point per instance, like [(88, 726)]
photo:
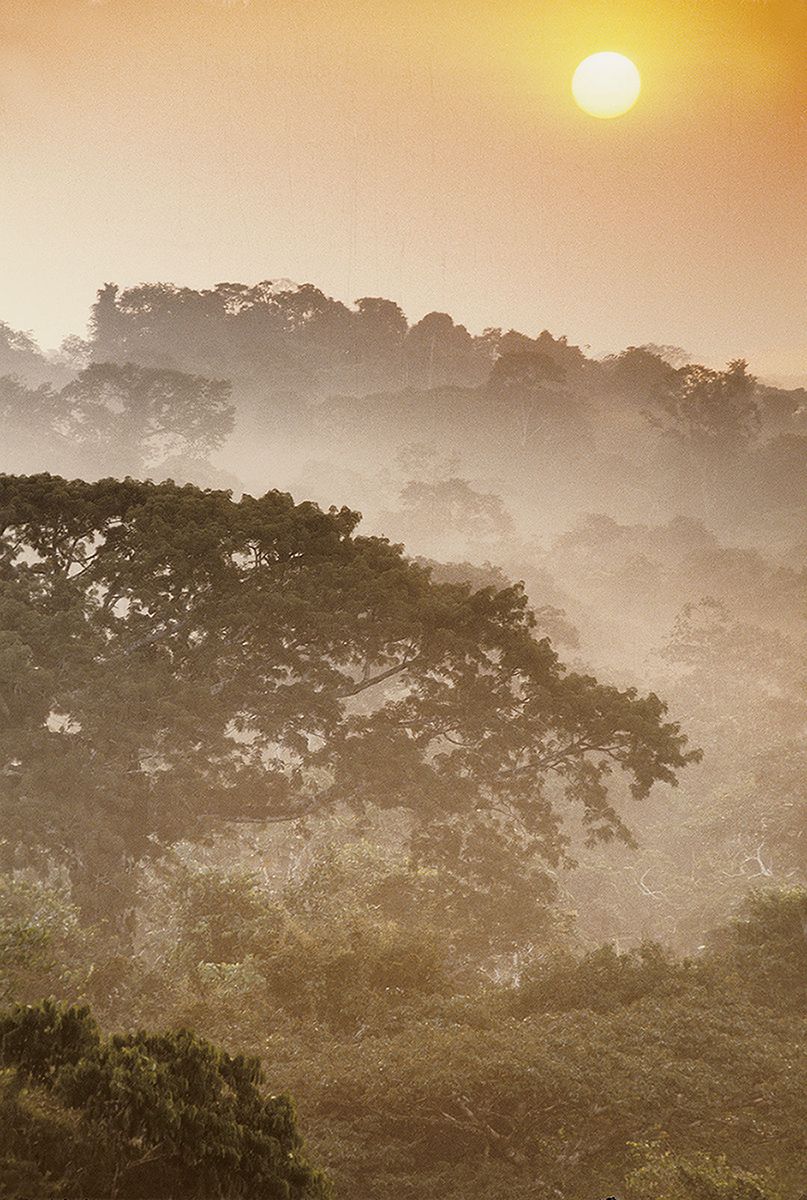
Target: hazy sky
[(424, 150)]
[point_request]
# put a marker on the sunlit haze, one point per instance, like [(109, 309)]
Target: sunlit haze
[(428, 151), (403, 599)]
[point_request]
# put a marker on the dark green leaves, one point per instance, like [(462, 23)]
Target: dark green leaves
[(173, 657)]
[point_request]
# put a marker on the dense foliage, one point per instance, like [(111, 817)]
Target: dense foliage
[(416, 1078), (368, 814), (135, 419), (138, 1116), (179, 657)]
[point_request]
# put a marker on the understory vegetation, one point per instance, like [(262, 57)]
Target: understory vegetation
[(583, 1071)]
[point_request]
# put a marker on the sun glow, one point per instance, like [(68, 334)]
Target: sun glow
[(606, 84)]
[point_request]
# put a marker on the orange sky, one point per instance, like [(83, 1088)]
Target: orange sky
[(426, 150)]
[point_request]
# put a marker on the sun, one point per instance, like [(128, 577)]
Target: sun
[(606, 84)]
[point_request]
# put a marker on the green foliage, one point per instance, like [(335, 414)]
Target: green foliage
[(303, 956), (42, 946), (416, 1077), (765, 947), (167, 1115), (223, 918), (664, 1175), (45, 1153), (355, 974), (553, 1100), (600, 981), (188, 660), (42, 1040)]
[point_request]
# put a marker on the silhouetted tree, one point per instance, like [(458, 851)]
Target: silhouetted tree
[(713, 413), (640, 375), (132, 418), (177, 657), (439, 353)]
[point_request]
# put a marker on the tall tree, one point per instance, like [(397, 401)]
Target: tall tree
[(710, 412), (135, 417), (531, 385), (170, 657)]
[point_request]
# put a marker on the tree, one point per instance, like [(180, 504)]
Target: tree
[(565, 357), (135, 417), (641, 374), (765, 946), (442, 514), (552, 1101), (779, 468), (121, 419), (779, 794), (601, 981), (439, 353), (22, 358), (42, 945), (530, 382), (735, 676), (551, 621), (176, 658), (163, 1115), (379, 330), (710, 412), (676, 356), (278, 336), (27, 420)]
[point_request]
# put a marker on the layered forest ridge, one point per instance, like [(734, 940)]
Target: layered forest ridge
[(409, 722)]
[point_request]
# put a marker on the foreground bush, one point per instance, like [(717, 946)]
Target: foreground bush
[(662, 1174), (139, 1116)]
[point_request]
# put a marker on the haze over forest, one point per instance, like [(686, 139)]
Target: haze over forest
[(431, 726), (403, 688), (429, 151)]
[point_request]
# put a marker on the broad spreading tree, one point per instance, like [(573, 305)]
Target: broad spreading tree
[(135, 417), (121, 419), (170, 658)]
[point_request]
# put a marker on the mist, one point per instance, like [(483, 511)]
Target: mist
[(420, 712)]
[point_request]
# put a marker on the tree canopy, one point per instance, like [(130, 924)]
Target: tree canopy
[(128, 419), (172, 656), (139, 1115)]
